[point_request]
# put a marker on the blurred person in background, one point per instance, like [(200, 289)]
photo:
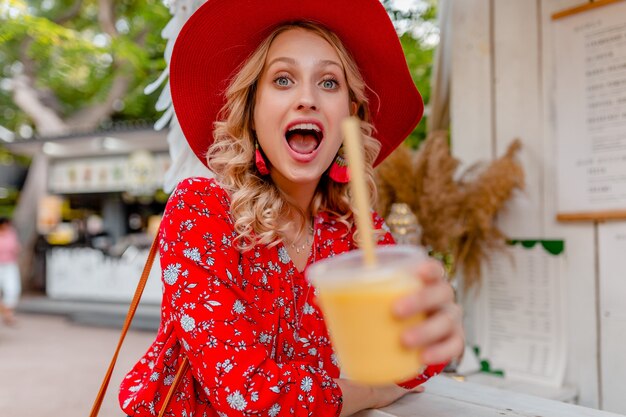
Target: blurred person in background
[(9, 272)]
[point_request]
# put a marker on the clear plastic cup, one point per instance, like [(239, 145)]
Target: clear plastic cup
[(357, 303)]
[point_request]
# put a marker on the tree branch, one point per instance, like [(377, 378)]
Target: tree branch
[(71, 13), (140, 39), (27, 62), (27, 98), (41, 106), (45, 96), (90, 117), (106, 17)]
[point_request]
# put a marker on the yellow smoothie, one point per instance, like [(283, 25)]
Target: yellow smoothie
[(358, 311)]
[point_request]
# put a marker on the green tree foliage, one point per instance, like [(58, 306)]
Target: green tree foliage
[(419, 36), (12, 173), (420, 60), (73, 53), (73, 57)]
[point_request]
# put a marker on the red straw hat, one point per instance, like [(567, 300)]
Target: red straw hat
[(222, 34)]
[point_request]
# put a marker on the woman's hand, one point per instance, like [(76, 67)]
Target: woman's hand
[(357, 397), (440, 335)]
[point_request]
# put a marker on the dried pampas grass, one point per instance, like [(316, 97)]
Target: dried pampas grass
[(457, 215)]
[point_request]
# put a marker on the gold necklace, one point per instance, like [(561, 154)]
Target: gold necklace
[(307, 243), (298, 325)]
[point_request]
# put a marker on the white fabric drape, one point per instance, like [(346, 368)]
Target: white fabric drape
[(184, 161), (6, 135)]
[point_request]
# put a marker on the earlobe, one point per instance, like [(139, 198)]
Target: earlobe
[(354, 108)]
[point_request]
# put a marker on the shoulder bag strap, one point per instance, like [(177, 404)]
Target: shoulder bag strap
[(129, 318)]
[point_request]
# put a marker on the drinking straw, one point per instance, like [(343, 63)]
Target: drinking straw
[(354, 151)]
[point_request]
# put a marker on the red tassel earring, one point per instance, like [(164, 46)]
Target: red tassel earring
[(339, 169), (259, 161)]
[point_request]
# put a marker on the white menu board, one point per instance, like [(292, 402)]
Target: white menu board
[(521, 312), (590, 110)]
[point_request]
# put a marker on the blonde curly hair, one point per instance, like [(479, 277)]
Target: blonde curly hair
[(263, 214)]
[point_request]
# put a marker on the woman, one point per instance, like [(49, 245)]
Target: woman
[(10, 286), (233, 250)]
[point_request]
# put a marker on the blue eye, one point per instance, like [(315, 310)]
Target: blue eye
[(330, 84), (282, 81)]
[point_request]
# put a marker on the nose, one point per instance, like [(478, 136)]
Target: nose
[(307, 97)]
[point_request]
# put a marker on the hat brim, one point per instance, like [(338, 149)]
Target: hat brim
[(222, 34)]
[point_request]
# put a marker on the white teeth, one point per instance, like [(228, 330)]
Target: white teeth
[(305, 126)]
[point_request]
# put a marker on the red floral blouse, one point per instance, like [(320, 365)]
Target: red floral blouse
[(248, 322)]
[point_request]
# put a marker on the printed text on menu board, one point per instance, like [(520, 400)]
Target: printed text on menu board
[(590, 108)]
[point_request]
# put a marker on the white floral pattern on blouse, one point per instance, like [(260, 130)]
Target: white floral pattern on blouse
[(252, 330)]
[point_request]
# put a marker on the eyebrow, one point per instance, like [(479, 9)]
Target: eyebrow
[(291, 61)]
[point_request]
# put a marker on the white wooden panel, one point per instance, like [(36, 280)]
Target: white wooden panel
[(527, 44), (471, 98), (613, 364), (612, 248), (582, 369), (582, 330), (517, 104)]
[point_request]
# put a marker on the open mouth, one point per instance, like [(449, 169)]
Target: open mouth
[(304, 138)]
